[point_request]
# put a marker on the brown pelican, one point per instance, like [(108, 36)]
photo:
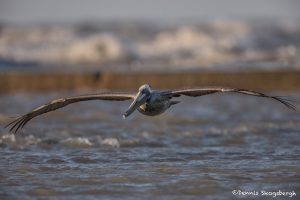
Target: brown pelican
[(146, 101)]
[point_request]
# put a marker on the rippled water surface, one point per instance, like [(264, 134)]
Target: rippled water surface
[(203, 147)]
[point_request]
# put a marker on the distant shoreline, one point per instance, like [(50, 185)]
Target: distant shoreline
[(13, 82)]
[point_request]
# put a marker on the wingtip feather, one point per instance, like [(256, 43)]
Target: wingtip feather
[(287, 102), (17, 124)]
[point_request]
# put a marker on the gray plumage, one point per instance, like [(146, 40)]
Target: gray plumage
[(146, 101)]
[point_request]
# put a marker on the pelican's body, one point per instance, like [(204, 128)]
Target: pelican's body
[(146, 101), (157, 104), (155, 108), (150, 102)]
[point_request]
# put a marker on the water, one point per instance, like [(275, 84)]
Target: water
[(204, 148), (215, 45)]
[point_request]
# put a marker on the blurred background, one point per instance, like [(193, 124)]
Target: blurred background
[(141, 36), (201, 148)]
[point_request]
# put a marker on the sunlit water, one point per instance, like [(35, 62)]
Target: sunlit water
[(202, 148)]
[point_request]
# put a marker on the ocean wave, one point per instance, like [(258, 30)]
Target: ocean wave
[(192, 45), (21, 142), (58, 46), (8, 139), (214, 44), (112, 142), (177, 138), (78, 142)]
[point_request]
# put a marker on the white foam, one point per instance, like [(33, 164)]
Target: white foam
[(8, 139), (80, 142), (113, 142), (101, 48), (58, 45), (31, 140), (217, 43)]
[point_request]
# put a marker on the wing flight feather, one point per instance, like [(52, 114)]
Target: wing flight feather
[(205, 91), (21, 121)]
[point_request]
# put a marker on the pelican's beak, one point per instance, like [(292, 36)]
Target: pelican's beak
[(139, 100)]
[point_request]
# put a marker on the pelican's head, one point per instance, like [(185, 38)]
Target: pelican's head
[(145, 89), (141, 97)]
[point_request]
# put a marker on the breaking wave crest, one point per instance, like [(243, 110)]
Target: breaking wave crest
[(213, 44), (21, 142)]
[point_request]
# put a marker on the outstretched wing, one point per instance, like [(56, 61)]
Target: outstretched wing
[(20, 122), (205, 91)]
